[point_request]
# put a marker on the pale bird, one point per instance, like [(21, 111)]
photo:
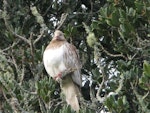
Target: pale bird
[(61, 61)]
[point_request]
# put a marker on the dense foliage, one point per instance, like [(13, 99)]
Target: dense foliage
[(113, 39)]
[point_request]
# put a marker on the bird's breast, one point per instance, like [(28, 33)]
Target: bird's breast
[(53, 61)]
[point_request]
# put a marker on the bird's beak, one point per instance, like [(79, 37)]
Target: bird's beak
[(57, 37)]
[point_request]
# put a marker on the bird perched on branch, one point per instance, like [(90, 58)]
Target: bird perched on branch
[(62, 63)]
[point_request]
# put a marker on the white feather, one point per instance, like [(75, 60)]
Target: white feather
[(53, 61)]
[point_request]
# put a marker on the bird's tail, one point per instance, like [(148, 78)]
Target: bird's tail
[(71, 92)]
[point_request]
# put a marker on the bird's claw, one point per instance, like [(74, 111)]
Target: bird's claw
[(58, 78)]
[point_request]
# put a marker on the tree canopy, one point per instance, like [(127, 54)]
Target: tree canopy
[(113, 39)]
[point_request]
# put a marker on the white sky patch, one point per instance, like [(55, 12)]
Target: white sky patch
[(83, 7)]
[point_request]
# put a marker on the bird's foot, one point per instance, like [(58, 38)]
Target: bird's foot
[(58, 77)]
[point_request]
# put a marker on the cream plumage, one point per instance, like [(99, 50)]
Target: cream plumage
[(61, 57)]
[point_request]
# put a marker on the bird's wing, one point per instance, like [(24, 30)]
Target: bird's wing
[(72, 61)]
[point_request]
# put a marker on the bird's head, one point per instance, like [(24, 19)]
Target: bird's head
[(58, 35)]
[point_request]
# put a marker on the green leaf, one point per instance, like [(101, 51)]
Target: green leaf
[(95, 25), (126, 28), (122, 13), (122, 27), (96, 74), (115, 18), (146, 69), (103, 12), (124, 99), (108, 103), (139, 5), (131, 12), (121, 20), (143, 82), (120, 102)]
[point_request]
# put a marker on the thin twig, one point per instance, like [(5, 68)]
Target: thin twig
[(47, 10), (14, 44), (40, 20), (140, 98), (62, 20), (14, 62), (100, 89), (108, 53), (21, 37), (13, 102), (39, 37), (42, 107), (32, 48), (23, 68)]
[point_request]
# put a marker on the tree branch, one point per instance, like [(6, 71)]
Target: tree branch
[(8, 25), (62, 20), (108, 53), (39, 37), (40, 20)]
